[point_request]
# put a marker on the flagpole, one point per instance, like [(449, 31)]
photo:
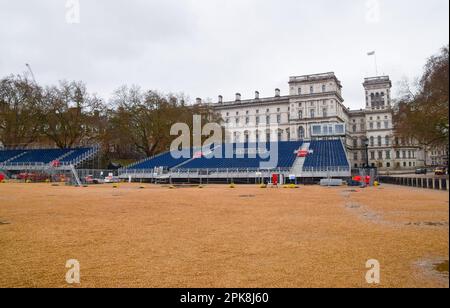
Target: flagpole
[(374, 53), (376, 64)]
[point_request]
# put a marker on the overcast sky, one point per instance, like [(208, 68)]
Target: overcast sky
[(204, 48)]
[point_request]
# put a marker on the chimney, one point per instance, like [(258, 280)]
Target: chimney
[(220, 99), (238, 97), (256, 95), (199, 101), (277, 92)]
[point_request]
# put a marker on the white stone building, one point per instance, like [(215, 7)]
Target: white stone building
[(314, 109)]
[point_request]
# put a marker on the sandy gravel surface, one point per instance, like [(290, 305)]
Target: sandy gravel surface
[(222, 237)]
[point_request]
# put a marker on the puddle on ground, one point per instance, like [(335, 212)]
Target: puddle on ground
[(442, 267), (428, 224)]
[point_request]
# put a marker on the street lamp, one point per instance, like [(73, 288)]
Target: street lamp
[(366, 144)]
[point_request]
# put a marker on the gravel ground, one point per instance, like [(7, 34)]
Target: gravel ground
[(222, 237)]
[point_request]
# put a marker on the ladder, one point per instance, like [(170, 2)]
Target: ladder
[(75, 174)]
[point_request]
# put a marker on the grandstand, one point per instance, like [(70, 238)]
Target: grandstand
[(29, 159), (324, 158)]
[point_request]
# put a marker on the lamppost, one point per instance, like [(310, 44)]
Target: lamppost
[(366, 144)]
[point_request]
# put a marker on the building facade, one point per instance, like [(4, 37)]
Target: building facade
[(314, 109)]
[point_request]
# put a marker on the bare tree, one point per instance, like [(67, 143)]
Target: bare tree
[(422, 114), (68, 112), (19, 123)]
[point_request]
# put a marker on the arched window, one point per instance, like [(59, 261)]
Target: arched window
[(246, 136), (268, 135), (301, 133), (280, 135)]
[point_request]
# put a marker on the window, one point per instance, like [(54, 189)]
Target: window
[(325, 112), (388, 154), (324, 88), (388, 165), (378, 125), (371, 125), (372, 141), (299, 91), (379, 141), (404, 155), (267, 120), (257, 120), (301, 133), (311, 89), (278, 118), (237, 121), (386, 124), (397, 154), (355, 143), (312, 113), (354, 128), (247, 120), (355, 156), (300, 114), (372, 155), (380, 154), (387, 140)]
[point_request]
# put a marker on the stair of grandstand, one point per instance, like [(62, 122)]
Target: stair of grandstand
[(297, 167), (8, 155), (326, 155)]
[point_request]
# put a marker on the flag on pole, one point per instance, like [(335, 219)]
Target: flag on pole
[(372, 53)]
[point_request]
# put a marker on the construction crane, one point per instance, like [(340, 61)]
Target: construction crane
[(31, 71)]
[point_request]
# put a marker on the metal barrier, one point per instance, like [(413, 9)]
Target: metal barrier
[(425, 183)]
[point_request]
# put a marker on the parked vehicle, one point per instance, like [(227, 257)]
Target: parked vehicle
[(421, 171), (440, 171)]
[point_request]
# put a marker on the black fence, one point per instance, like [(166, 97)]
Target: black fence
[(426, 183)]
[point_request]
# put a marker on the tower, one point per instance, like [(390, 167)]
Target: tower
[(378, 93)]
